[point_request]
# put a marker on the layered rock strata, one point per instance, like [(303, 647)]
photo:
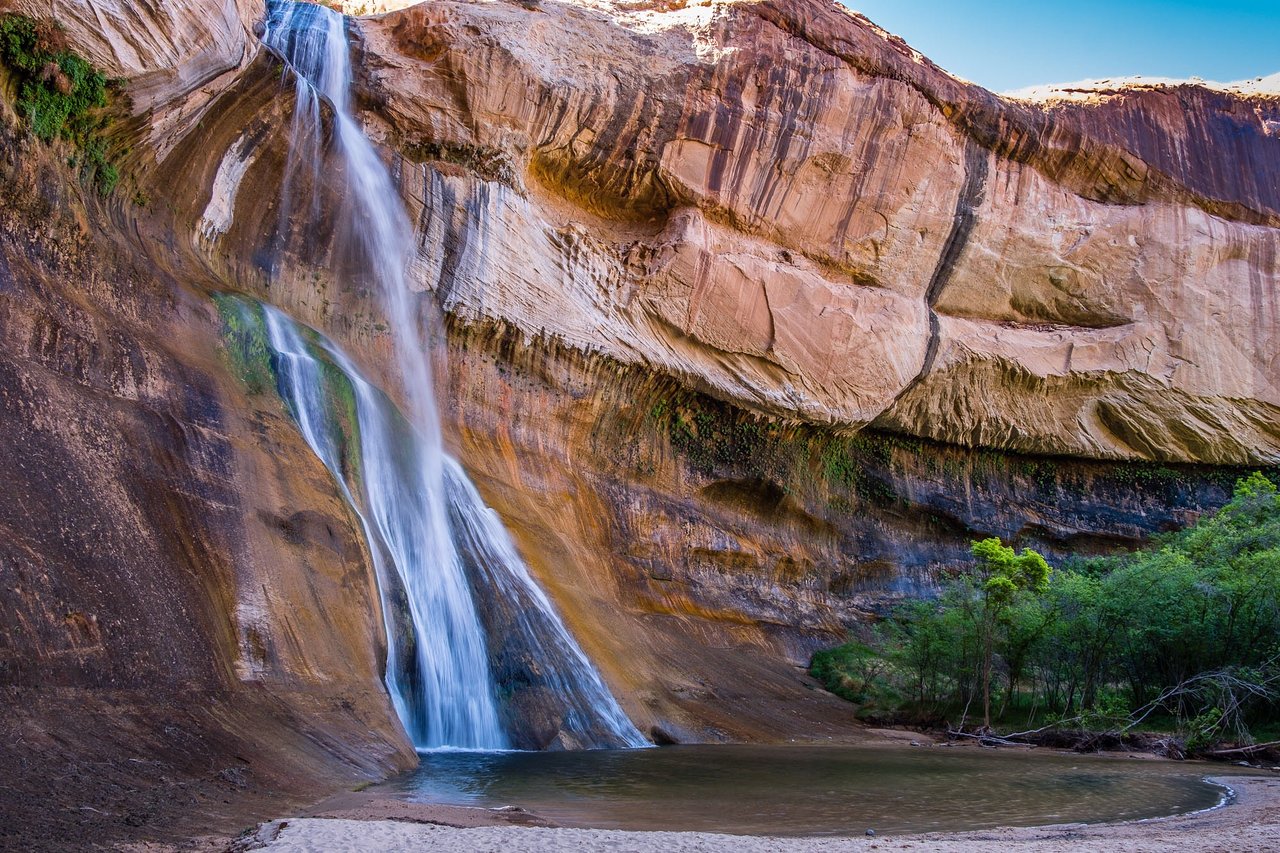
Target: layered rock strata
[(810, 220), (753, 318)]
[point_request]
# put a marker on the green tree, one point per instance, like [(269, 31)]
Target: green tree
[(1001, 574), (924, 646), (1080, 645), (1029, 620)]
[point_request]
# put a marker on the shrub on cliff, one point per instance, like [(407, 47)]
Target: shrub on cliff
[(60, 95)]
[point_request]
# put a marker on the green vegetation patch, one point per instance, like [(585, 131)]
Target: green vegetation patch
[(254, 362), (861, 464), (60, 95), (717, 438), (244, 334), (720, 440), (852, 671), (342, 411), (1185, 634)]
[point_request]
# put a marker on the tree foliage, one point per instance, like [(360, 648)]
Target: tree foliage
[(1001, 577), (1185, 633)]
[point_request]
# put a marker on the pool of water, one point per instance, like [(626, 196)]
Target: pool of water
[(813, 790)]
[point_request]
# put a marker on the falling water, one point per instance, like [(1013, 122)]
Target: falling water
[(536, 649), (445, 565)]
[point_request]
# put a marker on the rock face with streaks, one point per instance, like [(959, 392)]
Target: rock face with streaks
[(819, 224), (749, 319), (189, 635)]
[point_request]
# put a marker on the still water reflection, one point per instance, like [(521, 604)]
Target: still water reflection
[(813, 790)]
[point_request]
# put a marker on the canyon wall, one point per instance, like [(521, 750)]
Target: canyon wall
[(749, 319), (189, 635), (805, 218)]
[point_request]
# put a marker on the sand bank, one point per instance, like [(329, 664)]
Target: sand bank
[(1250, 823)]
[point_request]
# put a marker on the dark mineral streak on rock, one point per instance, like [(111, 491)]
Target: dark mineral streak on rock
[(970, 198)]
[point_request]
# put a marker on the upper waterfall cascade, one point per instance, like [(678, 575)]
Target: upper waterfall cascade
[(467, 627)]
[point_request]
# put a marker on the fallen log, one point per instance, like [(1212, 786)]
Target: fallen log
[(1241, 749), (990, 738)]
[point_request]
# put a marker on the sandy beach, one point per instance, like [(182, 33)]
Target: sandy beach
[(1250, 822)]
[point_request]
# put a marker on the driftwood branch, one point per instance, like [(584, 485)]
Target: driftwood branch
[(1256, 747), (988, 738), (1056, 724)]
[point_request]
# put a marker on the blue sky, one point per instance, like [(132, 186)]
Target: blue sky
[(1007, 45)]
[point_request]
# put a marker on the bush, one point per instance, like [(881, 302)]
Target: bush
[(60, 95), (850, 671)]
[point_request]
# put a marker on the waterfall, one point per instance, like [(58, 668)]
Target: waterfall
[(445, 566)]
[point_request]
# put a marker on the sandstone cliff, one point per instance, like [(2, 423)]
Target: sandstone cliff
[(753, 318), (188, 632), (807, 218)]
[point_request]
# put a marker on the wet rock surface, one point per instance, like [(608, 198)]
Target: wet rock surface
[(187, 635)]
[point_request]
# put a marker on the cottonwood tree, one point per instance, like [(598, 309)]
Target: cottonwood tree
[(1001, 574)]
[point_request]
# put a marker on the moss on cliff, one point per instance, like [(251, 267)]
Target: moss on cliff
[(490, 164), (720, 440), (244, 336), (253, 361), (715, 436), (60, 94), (340, 399), (835, 474)]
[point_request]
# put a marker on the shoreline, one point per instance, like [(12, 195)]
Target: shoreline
[(1248, 820)]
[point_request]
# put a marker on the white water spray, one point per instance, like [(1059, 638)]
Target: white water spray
[(436, 547)]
